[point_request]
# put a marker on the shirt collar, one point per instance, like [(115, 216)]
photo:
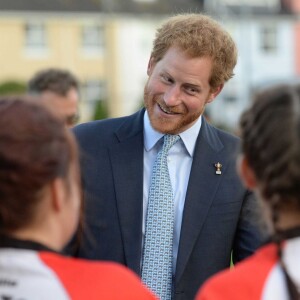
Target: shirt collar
[(188, 137), (151, 136), (7, 241)]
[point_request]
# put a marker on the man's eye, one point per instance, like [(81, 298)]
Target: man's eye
[(166, 79), (191, 90)]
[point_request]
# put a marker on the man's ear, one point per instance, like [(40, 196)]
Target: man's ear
[(151, 65), (214, 93), (57, 190), (246, 173)]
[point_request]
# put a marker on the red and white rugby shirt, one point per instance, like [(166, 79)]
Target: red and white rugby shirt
[(27, 274), (258, 277)]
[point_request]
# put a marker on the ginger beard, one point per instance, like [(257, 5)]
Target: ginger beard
[(168, 120)]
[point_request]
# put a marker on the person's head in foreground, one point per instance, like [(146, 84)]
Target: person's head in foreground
[(40, 207), (58, 89), (191, 59), (39, 175), (270, 166)]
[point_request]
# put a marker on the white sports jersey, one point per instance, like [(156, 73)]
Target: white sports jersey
[(31, 271), (23, 275)]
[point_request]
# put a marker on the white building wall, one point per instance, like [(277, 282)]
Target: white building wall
[(278, 65), (255, 68), (134, 40)]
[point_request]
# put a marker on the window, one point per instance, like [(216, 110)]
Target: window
[(268, 38), (94, 90), (94, 94), (92, 38), (35, 36)]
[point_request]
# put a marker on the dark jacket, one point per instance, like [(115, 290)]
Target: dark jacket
[(217, 211)]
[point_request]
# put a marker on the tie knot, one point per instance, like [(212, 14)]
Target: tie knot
[(169, 141)]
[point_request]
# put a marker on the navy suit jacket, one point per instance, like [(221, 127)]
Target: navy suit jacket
[(217, 212)]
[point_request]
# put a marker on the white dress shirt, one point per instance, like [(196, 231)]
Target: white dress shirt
[(179, 163)]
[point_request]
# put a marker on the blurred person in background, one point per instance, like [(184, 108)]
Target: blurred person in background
[(209, 212), (270, 166), (59, 91), (39, 211)]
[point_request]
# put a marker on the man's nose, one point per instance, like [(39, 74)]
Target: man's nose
[(172, 96)]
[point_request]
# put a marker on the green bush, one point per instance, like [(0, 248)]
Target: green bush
[(12, 88), (101, 111)]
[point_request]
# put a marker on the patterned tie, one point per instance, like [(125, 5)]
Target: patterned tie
[(158, 243)]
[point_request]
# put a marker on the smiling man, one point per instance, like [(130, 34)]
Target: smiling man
[(178, 90), (173, 215)]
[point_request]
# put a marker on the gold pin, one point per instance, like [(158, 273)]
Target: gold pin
[(218, 168)]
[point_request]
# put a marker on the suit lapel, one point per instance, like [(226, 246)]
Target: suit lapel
[(127, 165), (202, 186)]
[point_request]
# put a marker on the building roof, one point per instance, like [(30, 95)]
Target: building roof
[(253, 7), (113, 6)]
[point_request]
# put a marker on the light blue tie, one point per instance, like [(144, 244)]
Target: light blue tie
[(158, 241)]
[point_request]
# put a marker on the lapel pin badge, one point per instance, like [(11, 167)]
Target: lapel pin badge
[(218, 168)]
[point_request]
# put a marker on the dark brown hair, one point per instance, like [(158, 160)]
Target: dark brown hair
[(55, 80), (199, 36), (271, 142), (270, 131), (35, 148)]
